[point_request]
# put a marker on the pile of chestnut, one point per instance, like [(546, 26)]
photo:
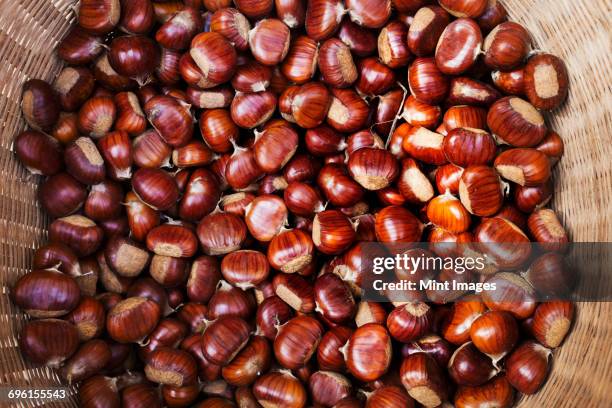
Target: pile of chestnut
[(212, 168)]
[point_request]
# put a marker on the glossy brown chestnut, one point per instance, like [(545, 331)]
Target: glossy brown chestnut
[(171, 118), (424, 145), (215, 58), (291, 12), (133, 56), (510, 82), (48, 341), (291, 251), (466, 146), (497, 392), (38, 152), (99, 391), (99, 16), (413, 184), (332, 232), (465, 116), (368, 13), (516, 122), (526, 167), (494, 333), (368, 352), (297, 340), (300, 63), (79, 47), (224, 338), (265, 217), (506, 46), (271, 314), (132, 319), (46, 293), (80, 233), (179, 30), (552, 321), (427, 83), (527, 367), (323, 18), (221, 233), (468, 91), (334, 299), (464, 8), (417, 113), (88, 360), (269, 41), (375, 78), (295, 291), (410, 321), (348, 112), (468, 366), (373, 168), (427, 26), (171, 367), (336, 64), (155, 187), (423, 379), (250, 110), (458, 46), (546, 81), (172, 240), (247, 366), (233, 25), (280, 388), (480, 190)]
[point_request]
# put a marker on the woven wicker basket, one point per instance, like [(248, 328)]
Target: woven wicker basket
[(576, 30)]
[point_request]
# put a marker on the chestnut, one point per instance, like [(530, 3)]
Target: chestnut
[(427, 83), (89, 359), (291, 251), (233, 25), (80, 233), (265, 217), (297, 340), (332, 232), (99, 391), (172, 240), (464, 8), (464, 90), (221, 233), (295, 291), (38, 152), (125, 257), (498, 392), (171, 118), (334, 299), (368, 352), (215, 58), (391, 396), (132, 319), (494, 333), (468, 366), (417, 113), (79, 47), (375, 78), (224, 338), (280, 388), (155, 187), (410, 321), (133, 56), (271, 313), (348, 112), (253, 359), (274, 147), (546, 81), (516, 122), (269, 41), (458, 46), (526, 167), (424, 145), (171, 367), (397, 224), (510, 82), (177, 32), (48, 341), (373, 168), (480, 190), (40, 105), (427, 25), (466, 146), (527, 367), (506, 46), (84, 161), (46, 293), (249, 110), (423, 379), (327, 387), (323, 18), (552, 321)]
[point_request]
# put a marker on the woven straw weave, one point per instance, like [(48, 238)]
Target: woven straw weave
[(576, 30)]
